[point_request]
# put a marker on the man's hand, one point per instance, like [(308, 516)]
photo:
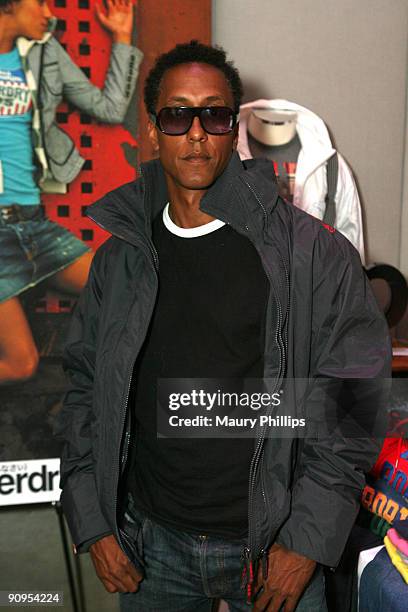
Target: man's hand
[(118, 19), (113, 567), (288, 576)]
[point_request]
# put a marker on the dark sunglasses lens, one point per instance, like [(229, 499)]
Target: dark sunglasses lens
[(217, 119), (175, 120)]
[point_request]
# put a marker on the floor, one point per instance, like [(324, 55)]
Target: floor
[(31, 559)]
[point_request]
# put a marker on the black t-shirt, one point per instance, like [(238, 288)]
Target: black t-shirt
[(208, 322)]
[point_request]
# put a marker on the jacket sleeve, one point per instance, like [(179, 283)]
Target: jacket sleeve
[(73, 424), (110, 103), (351, 351), (348, 208)]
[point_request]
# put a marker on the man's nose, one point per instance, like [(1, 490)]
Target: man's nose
[(46, 11), (197, 132)]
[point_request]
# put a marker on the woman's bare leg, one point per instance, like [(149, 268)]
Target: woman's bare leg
[(73, 278), (18, 353)]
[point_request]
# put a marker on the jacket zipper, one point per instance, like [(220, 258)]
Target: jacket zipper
[(249, 555), (125, 448), (119, 468)]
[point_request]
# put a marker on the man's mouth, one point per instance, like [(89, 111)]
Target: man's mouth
[(196, 158)]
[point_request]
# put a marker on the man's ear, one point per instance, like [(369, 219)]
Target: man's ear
[(152, 133), (7, 10)]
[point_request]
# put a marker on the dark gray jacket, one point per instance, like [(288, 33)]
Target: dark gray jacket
[(322, 324)]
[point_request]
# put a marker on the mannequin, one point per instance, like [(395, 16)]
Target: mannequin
[(272, 134), (298, 143)]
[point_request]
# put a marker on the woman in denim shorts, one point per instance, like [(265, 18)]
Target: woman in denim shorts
[(35, 75)]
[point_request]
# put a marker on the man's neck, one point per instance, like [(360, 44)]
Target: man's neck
[(184, 209)]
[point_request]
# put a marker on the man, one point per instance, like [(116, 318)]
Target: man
[(209, 274)]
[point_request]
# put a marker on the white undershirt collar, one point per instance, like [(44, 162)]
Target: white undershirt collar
[(189, 232)]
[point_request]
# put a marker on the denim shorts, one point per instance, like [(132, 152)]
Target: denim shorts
[(33, 249)]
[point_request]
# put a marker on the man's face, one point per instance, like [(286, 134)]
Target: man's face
[(194, 160), (30, 18)]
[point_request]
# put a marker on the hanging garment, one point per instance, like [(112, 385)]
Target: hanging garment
[(310, 187)]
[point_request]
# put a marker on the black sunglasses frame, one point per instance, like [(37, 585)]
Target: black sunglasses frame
[(196, 111)]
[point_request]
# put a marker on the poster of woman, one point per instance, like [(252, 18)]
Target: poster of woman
[(71, 129), (37, 156)]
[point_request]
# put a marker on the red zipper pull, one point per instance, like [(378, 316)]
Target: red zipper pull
[(250, 582), (248, 573)]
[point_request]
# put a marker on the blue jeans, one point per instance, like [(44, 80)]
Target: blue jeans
[(184, 572), (382, 586)]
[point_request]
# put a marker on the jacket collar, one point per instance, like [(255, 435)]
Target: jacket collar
[(243, 196), (25, 44)]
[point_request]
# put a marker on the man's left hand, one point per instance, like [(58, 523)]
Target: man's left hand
[(288, 575), (118, 19)]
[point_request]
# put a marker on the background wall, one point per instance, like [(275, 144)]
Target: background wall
[(347, 61)]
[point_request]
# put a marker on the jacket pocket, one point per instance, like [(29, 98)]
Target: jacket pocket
[(51, 78), (59, 145), (133, 530)]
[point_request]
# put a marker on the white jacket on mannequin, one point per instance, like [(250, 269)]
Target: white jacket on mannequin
[(311, 175)]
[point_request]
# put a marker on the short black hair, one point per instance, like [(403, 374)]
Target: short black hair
[(6, 3), (186, 53)]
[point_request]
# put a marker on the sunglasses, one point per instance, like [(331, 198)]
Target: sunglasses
[(177, 120)]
